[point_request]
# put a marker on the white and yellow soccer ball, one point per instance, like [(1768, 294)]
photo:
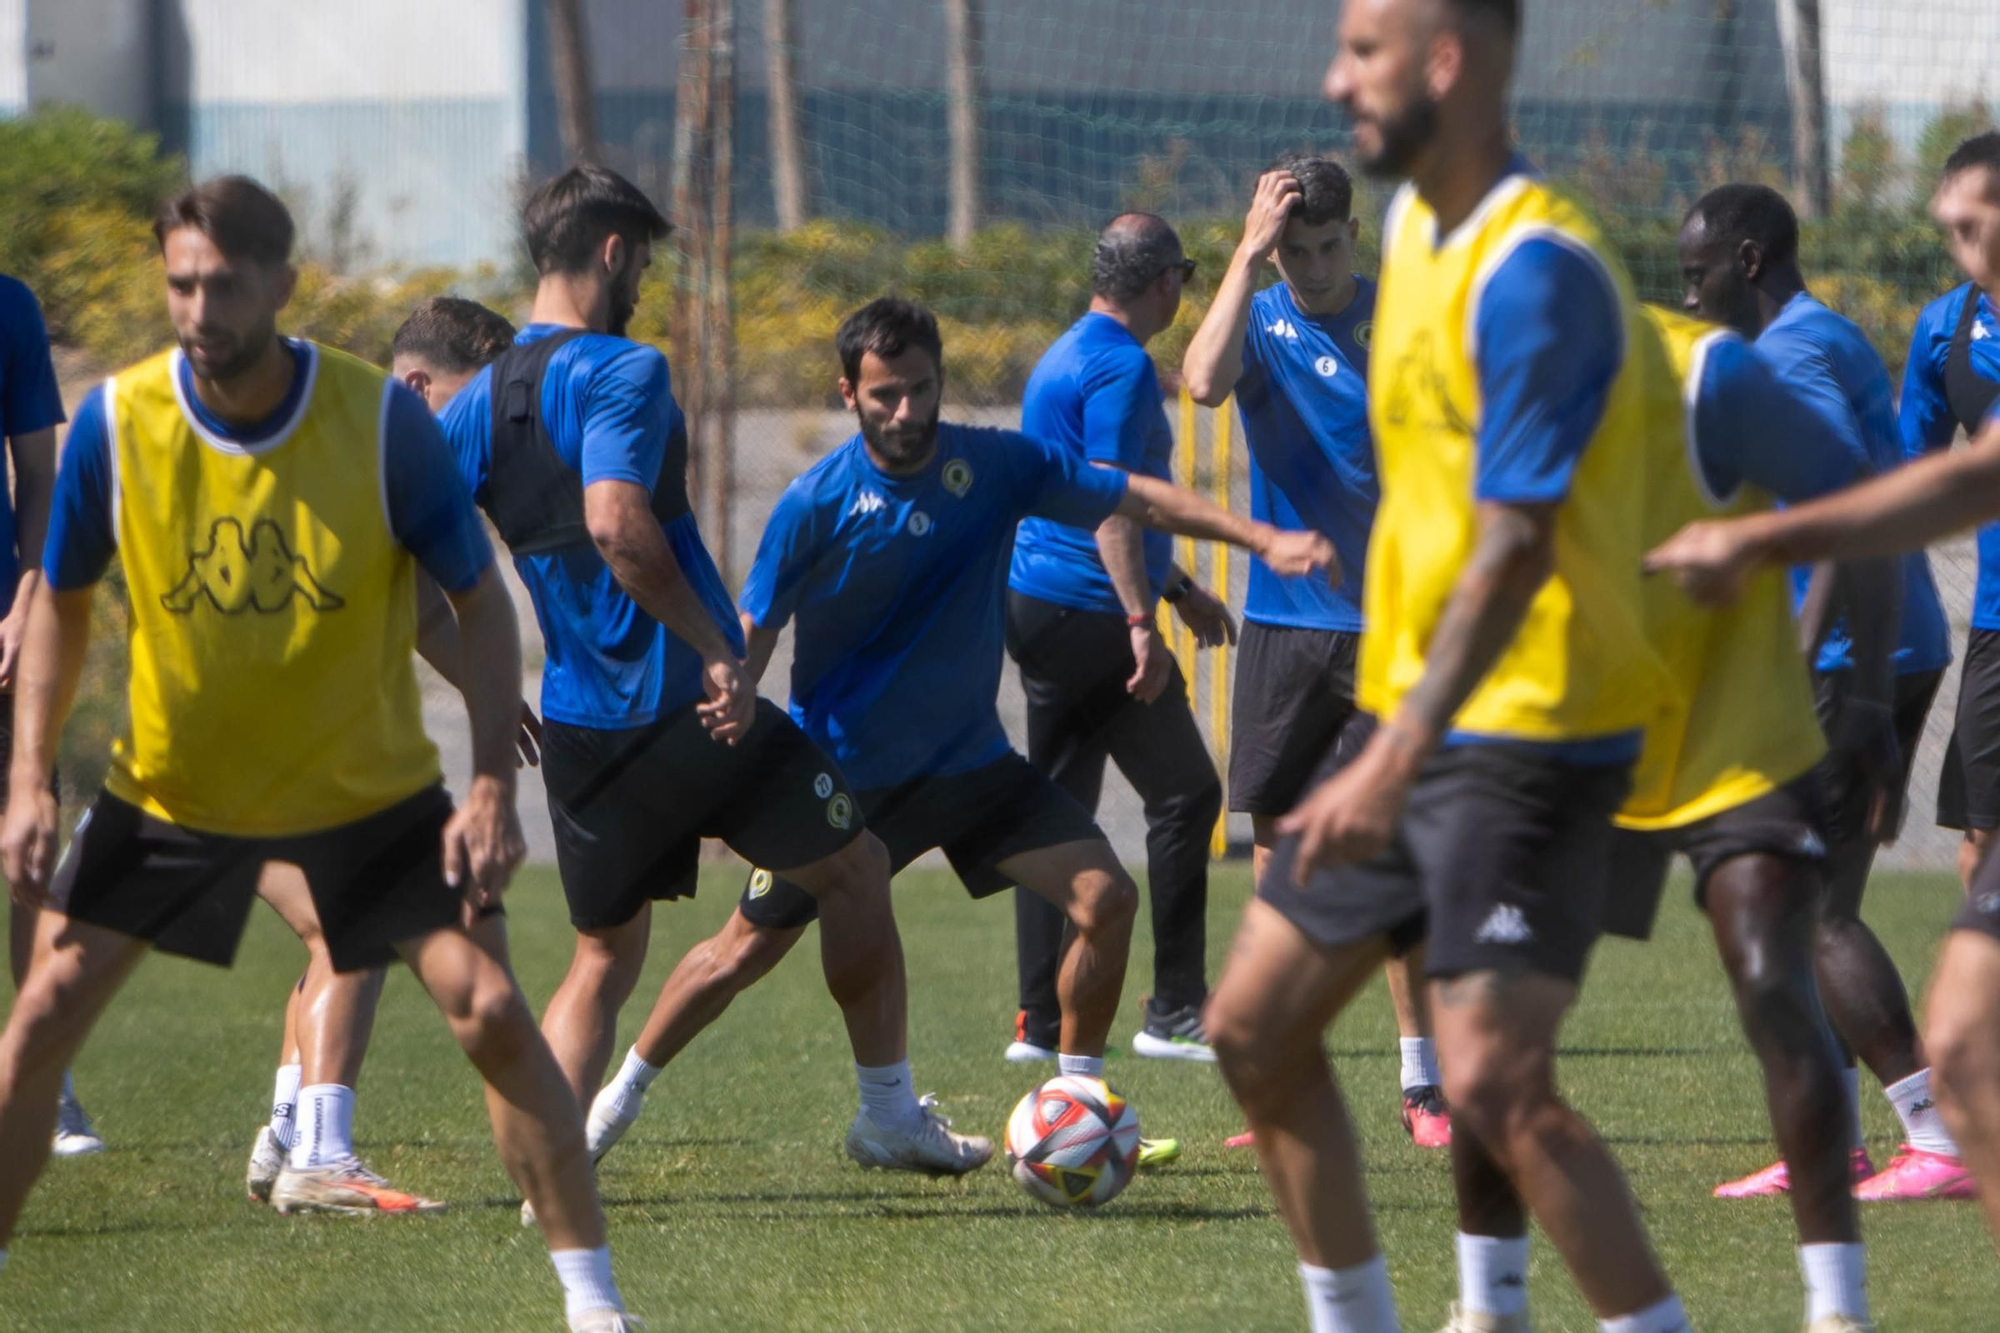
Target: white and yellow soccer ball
[(1073, 1142)]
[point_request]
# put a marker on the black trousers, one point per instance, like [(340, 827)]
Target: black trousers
[(1074, 665)]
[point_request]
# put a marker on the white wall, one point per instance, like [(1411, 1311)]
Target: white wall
[(97, 53), (13, 56), (273, 52)]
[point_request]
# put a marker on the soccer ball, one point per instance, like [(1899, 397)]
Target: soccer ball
[(1073, 1142)]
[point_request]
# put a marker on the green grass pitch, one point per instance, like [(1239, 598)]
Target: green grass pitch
[(731, 1205)]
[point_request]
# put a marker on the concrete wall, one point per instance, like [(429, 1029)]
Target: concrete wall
[(100, 53)]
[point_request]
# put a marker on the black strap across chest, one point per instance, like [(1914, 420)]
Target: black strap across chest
[(1970, 394)]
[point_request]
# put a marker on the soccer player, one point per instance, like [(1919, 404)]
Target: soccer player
[(329, 1015), (1950, 382), (30, 410), (289, 494), (1739, 258), (1507, 662), (653, 734), (889, 556), (1099, 680), (1296, 356)]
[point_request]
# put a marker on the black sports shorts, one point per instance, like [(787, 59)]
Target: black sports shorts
[(1969, 786), (1294, 694)]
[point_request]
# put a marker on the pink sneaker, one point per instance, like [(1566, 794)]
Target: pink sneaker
[(1425, 1118), (1916, 1174), (1776, 1179), (1244, 1140)]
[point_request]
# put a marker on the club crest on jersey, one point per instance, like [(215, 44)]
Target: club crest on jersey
[(920, 523), (840, 811), (1364, 333), (238, 574), (823, 786), (760, 883), (958, 477)]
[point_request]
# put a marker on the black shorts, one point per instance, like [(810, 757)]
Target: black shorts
[(1787, 822), (631, 806), (1294, 693), (1846, 803), (374, 882), (1969, 785), (1981, 910), (978, 818), (1499, 864)]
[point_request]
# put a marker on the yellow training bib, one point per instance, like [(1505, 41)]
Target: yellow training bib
[(273, 612)]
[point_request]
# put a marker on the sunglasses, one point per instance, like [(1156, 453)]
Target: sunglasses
[(1185, 267)]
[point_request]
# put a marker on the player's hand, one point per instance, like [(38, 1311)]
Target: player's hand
[(731, 705), (1203, 613), (483, 846), (529, 742), (28, 844), (1863, 761), (1151, 664), (1352, 815), (1296, 553), (1710, 560), (1277, 194)]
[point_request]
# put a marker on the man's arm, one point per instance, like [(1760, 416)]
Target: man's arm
[(1122, 548), (762, 643), (483, 843), (53, 648), (438, 643), (1214, 358), (1157, 504), (34, 455)]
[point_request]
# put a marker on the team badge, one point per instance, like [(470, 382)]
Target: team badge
[(958, 477), (1327, 366), (823, 786), (840, 811), (920, 523), (1364, 333), (760, 883)]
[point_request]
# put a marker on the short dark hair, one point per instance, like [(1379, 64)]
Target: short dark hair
[(1326, 192), (453, 334), (1133, 250), (1507, 13), (245, 220), (888, 326), (567, 218), (1981, 150), (1743, 212)]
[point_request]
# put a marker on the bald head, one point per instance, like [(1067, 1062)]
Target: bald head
[(1133, 250), (1413, 73)]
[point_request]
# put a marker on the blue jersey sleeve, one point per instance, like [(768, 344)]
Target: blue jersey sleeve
[(1805, 366), (30, 399), (628, 415), (467, 423), (1748, 427), (1065, 490), (1924, 420), (784, 557), (1118, 409), (81, 538), (430, 507), (1549, 340)]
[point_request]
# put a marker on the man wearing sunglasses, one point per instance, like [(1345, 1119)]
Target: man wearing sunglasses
[(1080, 623)]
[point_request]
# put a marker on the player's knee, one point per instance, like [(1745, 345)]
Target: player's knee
[(1103, 901), (1497, 1095), (1251, 1056), (858, 872), (492, 1020)]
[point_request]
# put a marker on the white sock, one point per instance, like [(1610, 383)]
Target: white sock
[(635, 1073), (1666, 1317), (1836, 1280), (1085, 1066), (285, 1105), (1852, 1077), (1493, 1273), (586, 1280), (1923, 1128), (325, 1133), (886, 1093), (1350, 1300), (1420, 1063)]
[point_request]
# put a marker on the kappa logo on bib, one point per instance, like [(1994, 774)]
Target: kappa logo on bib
[(238, 574)]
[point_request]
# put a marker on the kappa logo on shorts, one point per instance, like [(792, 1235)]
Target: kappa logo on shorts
[(1505, 926), (760, 883), (259, 573), (840, 811), (1986, 904), (823, 786), (958, 477)]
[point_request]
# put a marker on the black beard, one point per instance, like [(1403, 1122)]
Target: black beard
[(622, 309), (901, 453), (1404, 136), (247, 352)]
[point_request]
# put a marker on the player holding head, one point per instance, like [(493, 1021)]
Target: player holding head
[(1739, 257), (1296, 357), (1923, 501), (889, 558), (1950, 382), (274, 712), (1099, 680), (1506, 659), (654, 736)]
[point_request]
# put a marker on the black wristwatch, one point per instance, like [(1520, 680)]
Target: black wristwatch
[(1174, 592)]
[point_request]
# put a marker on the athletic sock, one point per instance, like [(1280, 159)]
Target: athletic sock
[(1851, 1077), (635, 1073), (1083, 1066), (586, 1280), (1666, 1317), (1350, 1300), (886, 1094), (1420, 1063), (1493, 1273), (285, 1105), (1917, 1109), (326, 1126), (1836, 1280)]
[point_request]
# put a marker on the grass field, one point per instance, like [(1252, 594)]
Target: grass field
[(731, 1205)]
